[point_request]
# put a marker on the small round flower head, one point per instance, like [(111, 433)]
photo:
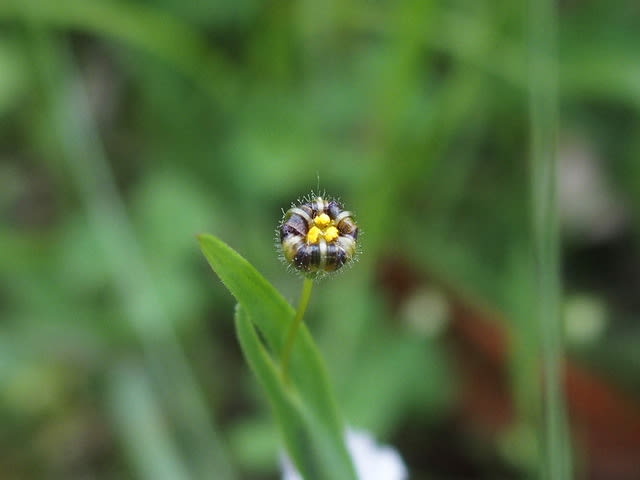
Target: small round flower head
[(317, 236)]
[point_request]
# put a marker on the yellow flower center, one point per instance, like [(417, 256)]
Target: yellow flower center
[(323, 228)]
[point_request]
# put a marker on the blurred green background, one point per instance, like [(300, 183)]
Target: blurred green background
[(127, 127)]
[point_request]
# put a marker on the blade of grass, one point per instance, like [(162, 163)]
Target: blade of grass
[(310, 444), (141, 423), (544, 125), (272, 315)]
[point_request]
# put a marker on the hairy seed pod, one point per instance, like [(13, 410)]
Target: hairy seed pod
[(317, 236)]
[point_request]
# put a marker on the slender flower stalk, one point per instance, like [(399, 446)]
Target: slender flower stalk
[(307, 287), (317, 237)]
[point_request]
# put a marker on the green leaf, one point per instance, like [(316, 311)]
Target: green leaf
[(305, 408), (310, 445), (263, 303)]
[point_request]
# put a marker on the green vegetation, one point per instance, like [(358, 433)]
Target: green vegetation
[(127, 128)]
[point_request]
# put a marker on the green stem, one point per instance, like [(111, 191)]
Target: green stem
[(543, 92), (307, 286)]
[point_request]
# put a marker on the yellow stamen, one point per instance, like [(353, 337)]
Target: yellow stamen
[(322, 220), (331, 233), (323, 228), (313, 235)]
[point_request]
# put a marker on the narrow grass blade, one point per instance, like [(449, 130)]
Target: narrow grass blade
[(269, 311), (543, 112), (310, 444)]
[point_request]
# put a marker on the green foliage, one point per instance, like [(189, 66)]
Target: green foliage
[(127, 126), (305, 409)]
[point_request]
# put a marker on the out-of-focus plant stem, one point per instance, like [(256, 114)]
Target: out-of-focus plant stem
[(307, 287), (543, 110)]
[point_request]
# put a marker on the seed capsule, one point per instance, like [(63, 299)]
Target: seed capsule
[(318, 236)]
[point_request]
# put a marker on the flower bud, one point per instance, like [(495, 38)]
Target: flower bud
[(317, 236)]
